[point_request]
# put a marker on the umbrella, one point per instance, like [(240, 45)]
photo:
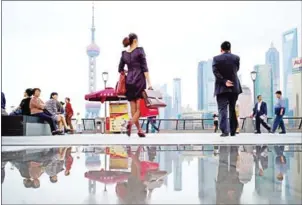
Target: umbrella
[(107, 177), (108, 94)]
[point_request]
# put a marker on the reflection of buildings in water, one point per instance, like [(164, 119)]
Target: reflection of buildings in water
[(207, 172), (92, 163), (295, 174), (164, 159), (177, 172)]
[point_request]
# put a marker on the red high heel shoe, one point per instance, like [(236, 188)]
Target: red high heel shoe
[(129, 126), (141, 134)]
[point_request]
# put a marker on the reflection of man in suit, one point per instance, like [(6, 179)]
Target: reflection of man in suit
[(261, 159), (260, 113), (228, 186), (227, 87)]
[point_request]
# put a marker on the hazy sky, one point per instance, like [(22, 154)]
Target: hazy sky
[(44, 43)]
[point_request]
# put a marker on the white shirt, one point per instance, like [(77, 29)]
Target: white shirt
[(259, 105), (78, 120)]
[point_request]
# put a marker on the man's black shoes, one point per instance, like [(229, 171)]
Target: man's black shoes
[(224, 135)]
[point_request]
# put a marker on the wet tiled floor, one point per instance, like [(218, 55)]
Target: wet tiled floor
[(152, 175)]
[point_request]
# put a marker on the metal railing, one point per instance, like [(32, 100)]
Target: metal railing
[(166, 125)]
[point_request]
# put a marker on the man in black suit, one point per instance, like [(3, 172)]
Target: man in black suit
[(227, 87), (260, 113)]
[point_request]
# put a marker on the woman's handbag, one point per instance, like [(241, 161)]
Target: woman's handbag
[(153, 99), (147, 112), (121, 85)]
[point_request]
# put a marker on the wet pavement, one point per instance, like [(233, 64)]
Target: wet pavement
[(201, 174)]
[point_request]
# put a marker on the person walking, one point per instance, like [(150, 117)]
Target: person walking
[(137, 78), (79, 123), (260, 114), (227, 87), (152, 121), (279, 112), (215, 119), (69, 114), (237, 110)]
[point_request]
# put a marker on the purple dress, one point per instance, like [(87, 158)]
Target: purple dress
[(137, 66)]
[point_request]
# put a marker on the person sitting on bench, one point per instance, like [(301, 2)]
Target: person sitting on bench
[(54, 107), (37, 107), (3, 104), (24, 105)]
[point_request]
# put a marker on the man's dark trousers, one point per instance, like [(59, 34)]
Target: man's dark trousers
[(260, 121), (224, 101)]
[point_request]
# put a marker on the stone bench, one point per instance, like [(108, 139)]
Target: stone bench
[(24, 126)]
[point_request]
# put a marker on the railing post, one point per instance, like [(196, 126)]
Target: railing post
[(159, 121), (184, 125), (83, 121), (243, 121)]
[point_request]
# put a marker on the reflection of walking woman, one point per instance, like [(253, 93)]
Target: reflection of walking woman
[(137, 75), (144, 177)]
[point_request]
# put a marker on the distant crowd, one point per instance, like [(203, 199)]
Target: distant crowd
[(57, 113)]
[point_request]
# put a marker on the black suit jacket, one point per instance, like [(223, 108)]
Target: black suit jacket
[(225, 67), (262, 111)]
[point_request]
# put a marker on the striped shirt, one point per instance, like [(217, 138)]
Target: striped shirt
[(280, 103), (52, 106), (55, 167)]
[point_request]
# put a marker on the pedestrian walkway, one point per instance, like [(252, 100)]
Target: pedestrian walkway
[(153, 139)]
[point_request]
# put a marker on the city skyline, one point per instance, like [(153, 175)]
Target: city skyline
[(64, 37), (289, 52)]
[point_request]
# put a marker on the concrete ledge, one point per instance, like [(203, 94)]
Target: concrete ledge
[(153, 139)]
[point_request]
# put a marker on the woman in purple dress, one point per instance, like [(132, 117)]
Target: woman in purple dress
[(136, 80)]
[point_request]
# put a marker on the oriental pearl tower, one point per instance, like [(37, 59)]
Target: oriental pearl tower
[(93, 51), (92, 109)]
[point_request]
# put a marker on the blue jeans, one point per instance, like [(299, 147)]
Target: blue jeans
[(278, 121)]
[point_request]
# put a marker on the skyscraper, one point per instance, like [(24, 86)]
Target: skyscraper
[(165, 113), (177, 97), (272, 58), (264, 86), (93, 51), (297, 90), (210, 81), (289, 52), (200, 82), (245, 101), (205, 90)]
